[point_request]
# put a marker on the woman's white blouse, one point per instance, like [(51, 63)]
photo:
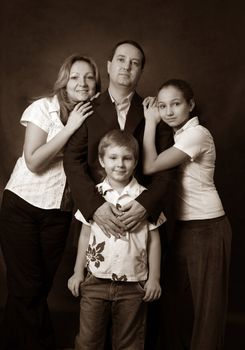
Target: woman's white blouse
[(45, 189), (197, 197)]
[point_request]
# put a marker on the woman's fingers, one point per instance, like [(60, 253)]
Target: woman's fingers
[(81, 106)]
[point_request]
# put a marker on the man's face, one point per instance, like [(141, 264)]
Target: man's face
[(125, 68)]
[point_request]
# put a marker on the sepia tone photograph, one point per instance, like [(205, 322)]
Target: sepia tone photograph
[(122, 175)]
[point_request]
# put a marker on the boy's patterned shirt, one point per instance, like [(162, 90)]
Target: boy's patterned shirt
[(125, 258)]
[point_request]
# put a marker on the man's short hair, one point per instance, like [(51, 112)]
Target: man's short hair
[(130, 42)]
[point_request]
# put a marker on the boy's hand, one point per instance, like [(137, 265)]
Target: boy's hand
[(152, 290), (74, 283)]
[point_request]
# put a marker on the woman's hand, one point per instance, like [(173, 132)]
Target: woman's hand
[(151, 111), (38, 152), (77, 116)]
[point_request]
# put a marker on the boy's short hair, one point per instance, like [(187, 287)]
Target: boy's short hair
[(119, 138)]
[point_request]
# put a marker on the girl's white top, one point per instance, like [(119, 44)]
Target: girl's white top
[(197, 197), (44, 189)]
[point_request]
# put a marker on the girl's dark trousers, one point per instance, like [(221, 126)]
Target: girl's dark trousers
[(196, 285)]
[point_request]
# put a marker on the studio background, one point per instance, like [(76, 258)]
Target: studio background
[(201, 42)]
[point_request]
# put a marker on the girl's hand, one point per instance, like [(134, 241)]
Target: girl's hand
[(77, 116), (152, 290), (74, 283), (151, 111)]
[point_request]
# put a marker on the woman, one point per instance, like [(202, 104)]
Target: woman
[(36, 207), (197, 267)]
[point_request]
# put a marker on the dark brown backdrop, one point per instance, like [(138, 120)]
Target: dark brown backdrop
[(202, 42)]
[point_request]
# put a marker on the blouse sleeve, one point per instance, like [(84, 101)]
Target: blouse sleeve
[(191, 142), (38, 114)]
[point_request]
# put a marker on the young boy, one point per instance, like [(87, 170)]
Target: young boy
[(122, 272)]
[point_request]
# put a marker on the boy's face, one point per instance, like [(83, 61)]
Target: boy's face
[(119, 164)]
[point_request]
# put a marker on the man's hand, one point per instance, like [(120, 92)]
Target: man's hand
[(133, 214), (107, 218)]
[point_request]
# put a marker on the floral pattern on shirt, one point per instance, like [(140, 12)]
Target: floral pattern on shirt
[(123, 259), (141, 261), (94, 252), (115, 277)]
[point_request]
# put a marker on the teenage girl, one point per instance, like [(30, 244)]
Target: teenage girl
[(197, 264)]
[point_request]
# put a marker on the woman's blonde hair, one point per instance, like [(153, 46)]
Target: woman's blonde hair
[(59, 88)]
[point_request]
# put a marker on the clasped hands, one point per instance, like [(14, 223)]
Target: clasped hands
[(117, 221)]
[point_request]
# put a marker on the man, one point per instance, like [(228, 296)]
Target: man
[(118, 107)]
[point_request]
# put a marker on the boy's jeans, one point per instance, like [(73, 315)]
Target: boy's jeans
[(121, 302)]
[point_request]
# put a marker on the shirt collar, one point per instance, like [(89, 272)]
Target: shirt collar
[(190, 123), (132, 188), (126, 99)]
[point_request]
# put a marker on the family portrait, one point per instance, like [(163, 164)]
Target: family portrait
[(121, 218)]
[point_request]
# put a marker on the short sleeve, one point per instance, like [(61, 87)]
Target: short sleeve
[(191, 142), (38, 114), (79, 216), (160, 221)]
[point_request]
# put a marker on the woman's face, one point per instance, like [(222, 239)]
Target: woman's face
[(81, 85), (173, 107)]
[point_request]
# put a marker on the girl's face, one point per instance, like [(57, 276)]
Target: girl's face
[(82, 83), (173, 107)]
